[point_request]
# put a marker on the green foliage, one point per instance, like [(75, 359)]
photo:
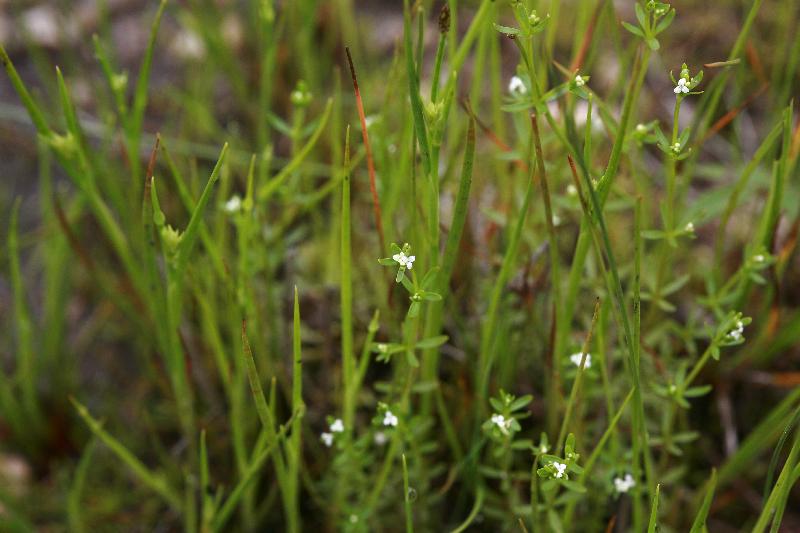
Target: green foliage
[(587, 302)]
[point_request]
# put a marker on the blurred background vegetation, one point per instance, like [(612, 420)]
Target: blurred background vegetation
[(224, 71)]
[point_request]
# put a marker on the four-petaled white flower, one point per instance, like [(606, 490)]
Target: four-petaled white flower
[(337, 426), (501, 422), (576, 359), (327, 439), (681, 87), (234, 204), (561, 468), (624, 484), (579, 82), (516, 85), (405, 260), (389, 419)]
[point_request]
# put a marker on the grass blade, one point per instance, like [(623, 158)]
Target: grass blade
[(652, 525), (190, 235), (155, 481), (699, 524)]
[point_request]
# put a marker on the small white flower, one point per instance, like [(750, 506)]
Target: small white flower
[(234, 204), (501, 422), (579, 82), (576, 359), (327, 439), (641, 128), (690, 227), (337, 426), (405, 260), (543, 449), (389, 419), (380, 438), (681, 87), (572, 190), (561, 468), (516, 85), (624, 484), (353, 519), (759, 258), (736, 333), (676, 148), (556, 220)]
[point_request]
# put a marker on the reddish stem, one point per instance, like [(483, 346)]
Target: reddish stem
[(376, 203)]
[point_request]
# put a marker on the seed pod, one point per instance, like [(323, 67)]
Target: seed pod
[(444, 20)]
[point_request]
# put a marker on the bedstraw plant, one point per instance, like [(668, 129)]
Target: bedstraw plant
[(522, 277)]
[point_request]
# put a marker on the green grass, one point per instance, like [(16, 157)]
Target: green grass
[(233, 335)]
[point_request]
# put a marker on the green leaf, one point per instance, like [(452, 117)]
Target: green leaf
[(653, 234), (666, 306), (664, 23), (633, 29), (497, 405), (432, 342), (508, 30), (520, 402), (675, 285), (640, 15), (694, 392)]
